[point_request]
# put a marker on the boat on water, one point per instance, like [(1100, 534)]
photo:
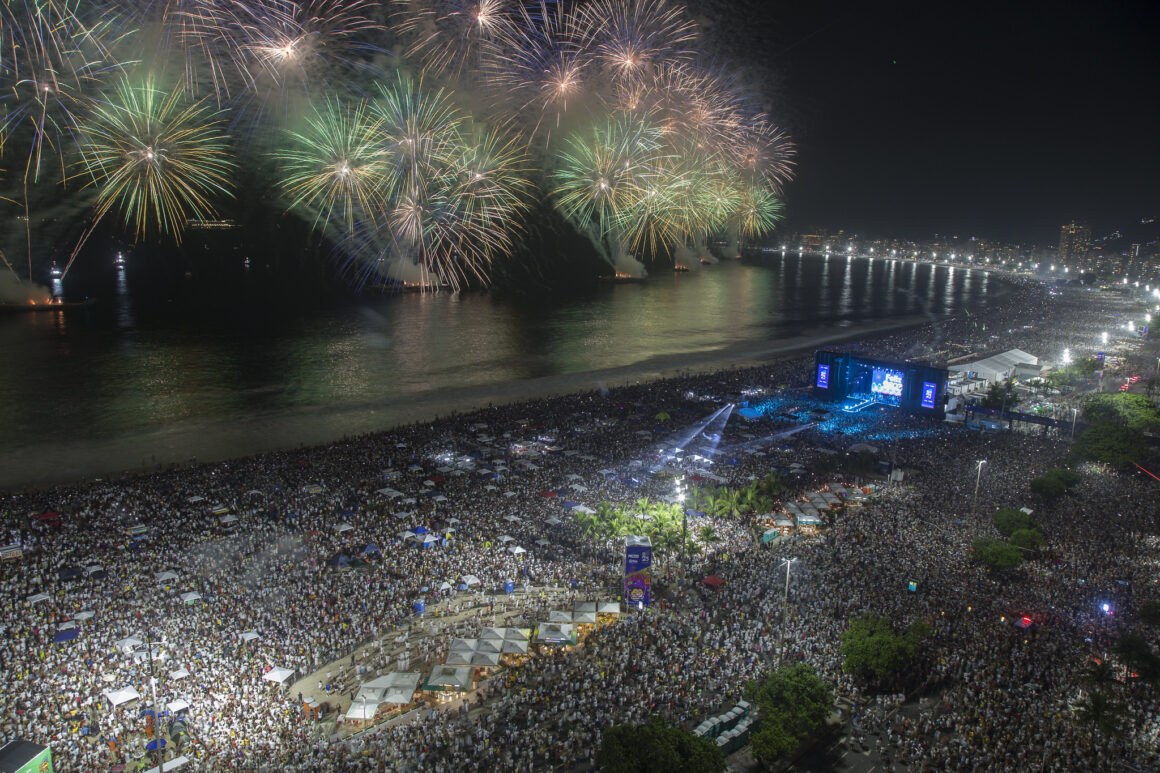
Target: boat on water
[(619, 278)]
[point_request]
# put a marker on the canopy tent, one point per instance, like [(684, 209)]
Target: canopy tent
[(124, 695), (85, 615), (342, 528), (559, 616), (66, 635), (362, 708), (164, 577), (174, 764), (389, 493), (470, 579), (543, 542), (189, 598), (249, 636), (584, 606), (395, 687), (179, 673), (506, 538), (181, 704), (36, 598), (509, 493), (449, 679), (517, 550), (608, 608), (129, 644), (584, 617), (278, 675), (511, 518), (555, 633), (554, 521), (228, 520), (713, 581)]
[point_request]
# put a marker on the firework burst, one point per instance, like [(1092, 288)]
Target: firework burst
[(155, 157)]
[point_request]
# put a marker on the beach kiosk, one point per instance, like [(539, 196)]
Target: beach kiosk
[(25, 757)]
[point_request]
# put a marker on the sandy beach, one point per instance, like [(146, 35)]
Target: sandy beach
[(55, 462)]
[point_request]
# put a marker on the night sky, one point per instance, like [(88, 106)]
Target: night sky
[(991, 119)]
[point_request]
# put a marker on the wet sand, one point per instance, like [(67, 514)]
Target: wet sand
[(53, 463)]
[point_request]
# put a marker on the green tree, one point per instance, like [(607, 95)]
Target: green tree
[(1110, 443), (1132, 410), (1048, 487), (1008, 520), (1028, 539), (708, 536), (792, 702), (728, 503), (1068, 478), (1000, 395), (997, 555), (873, 650), (654, 747), (1100, 713), (1100, 674), (1150, 612), (1134, 650)]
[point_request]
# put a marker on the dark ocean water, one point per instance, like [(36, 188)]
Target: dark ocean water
[(138, 379)]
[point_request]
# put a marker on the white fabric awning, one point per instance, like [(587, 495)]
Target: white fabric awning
[(342, 528), (278, 675), (190, 597), (179, 673), (249, 636), (124, 695), (173, 764), (178, 705), (470, 579), (162, 577)]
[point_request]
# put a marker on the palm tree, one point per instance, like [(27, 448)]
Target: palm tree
[(1099, 674), (708, 536), (1100, 713), (728, 503)]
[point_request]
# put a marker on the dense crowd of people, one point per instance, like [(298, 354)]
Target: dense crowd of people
[(498, 479)]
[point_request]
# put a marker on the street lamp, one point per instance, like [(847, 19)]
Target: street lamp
[(978, 480), (784, 611), (684, 526), (1074, 416)]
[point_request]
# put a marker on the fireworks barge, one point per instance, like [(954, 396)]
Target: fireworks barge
[(53, 305)]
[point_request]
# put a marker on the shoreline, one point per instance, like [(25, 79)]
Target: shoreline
[(53, 464)]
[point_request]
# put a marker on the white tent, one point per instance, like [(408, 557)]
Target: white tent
[(189, 598), (506, 538), (554, 521), (608, 608), (511, 518), (36, 598), (180, 673), (195, 499), (173, 764), (389, 493), (178, 705), (583, 509), (342, 528), (163, 577), (559, 616), (362, 708), (470, 579), (67, 625), (517, 550), (577, 487), (454, 678), (444, 586), (542, 542), (124, 695), (127, 646), (249, 636), (438, 498), (278, 675), (91, 570), (509, 493), (229, 519), (84, 615)]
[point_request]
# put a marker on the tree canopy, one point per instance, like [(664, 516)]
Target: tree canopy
[(1113, 444), (997, 555), (656, 747), (1008, 520), (874, 651), (792, 702), (1131, 410)]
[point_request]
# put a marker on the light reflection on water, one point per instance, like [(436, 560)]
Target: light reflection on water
[(121, 373)]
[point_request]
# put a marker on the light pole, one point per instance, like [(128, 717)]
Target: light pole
[(684, 526), (1074, 416), (784, 612), (978, 480)]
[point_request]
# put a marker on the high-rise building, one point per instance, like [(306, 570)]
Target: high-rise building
[(1074, 244), (1132, 264)]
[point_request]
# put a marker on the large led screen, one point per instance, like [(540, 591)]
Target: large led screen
[(886, 385), (928, 392), (823, 377)]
